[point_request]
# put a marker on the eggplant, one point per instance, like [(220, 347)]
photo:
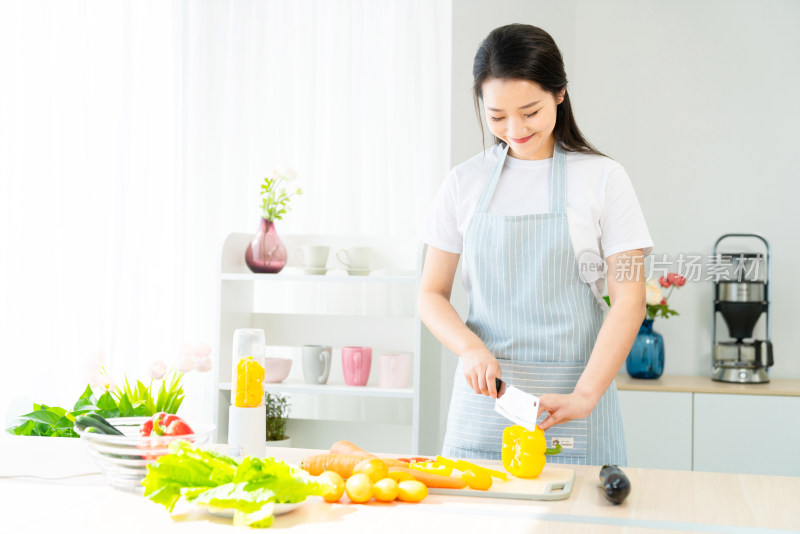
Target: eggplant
[(615, 483)]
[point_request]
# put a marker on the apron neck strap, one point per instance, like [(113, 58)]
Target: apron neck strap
[(558, 182), (491, 183)]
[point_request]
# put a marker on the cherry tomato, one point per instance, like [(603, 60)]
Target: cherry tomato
[(399, 476), (385, 490), (374, 468), (358, 488), (478, 480), (411, 491), (334, 486)]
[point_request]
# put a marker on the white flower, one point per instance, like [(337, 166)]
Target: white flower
[(287, 173), (185, 363), (158, 370), (101, 381), (203, 364), (97, 380), (202, 351), (95, 362), (653, 293)]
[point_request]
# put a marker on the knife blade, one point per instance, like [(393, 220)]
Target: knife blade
[(516, 405)]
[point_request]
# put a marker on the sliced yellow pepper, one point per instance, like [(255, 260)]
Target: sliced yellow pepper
[(523, 451), (249, 383), (436, 468), (463, 466)]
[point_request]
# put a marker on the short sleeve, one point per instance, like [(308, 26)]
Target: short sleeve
[(441, 229), (622, 223)]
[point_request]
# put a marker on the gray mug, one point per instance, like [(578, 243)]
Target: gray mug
[(316, 363)]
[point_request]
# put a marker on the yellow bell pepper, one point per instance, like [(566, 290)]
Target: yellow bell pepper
[(463, 466), (436, 468), (249, 390), (523, 451)]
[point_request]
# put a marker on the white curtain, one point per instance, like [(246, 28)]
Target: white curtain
[(134, 136)]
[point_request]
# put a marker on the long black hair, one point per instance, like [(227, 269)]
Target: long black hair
[(525, 52)]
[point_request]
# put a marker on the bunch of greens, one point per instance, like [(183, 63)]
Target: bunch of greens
[(57, 422), (207, 478), (139, 400), (122, 402)]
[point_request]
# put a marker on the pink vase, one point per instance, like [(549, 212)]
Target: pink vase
[(266, 252)]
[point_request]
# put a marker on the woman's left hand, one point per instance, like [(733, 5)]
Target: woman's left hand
[(563, 408)]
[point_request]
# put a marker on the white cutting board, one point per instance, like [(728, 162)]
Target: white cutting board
[(553, 484)]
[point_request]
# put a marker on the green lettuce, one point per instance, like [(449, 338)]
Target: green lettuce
[(186, 468), (211, 479)]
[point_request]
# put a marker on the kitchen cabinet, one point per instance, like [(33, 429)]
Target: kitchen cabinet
[(731, 428), (658, 429), (336, 309), (756, 434)]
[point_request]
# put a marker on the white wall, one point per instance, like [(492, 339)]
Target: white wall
[(699, 102)]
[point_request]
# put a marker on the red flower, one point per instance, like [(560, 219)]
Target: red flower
[(665, 282), (663, 302), (676, 279)]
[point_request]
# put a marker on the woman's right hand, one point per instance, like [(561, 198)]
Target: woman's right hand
[(480, 370)]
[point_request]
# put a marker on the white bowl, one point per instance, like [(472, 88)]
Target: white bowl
[(123, 460), (276, 369), (280, 509)]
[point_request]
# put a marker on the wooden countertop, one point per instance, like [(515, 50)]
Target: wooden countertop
[(660, 501), (704, 384)]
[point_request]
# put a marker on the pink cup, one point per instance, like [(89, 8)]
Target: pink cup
[(394, 370), (356, 362)]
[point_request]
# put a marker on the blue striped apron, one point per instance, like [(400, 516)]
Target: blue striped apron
[(532, 311)]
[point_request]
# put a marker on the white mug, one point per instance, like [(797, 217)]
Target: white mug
[(312, 257), (354, 258)]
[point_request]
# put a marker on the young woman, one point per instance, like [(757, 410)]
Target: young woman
[(525, 214)]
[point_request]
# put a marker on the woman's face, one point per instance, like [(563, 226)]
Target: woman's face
[(523, 115)]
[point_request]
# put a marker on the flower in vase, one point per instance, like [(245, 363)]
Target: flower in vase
[(275, 197), (653, 293), (656, 300)]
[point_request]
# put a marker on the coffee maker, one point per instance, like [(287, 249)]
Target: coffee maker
[(741, 295)]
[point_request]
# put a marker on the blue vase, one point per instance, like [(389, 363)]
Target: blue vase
[(646, 358)]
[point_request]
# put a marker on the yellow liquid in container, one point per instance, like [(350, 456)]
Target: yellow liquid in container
[(249, 389)]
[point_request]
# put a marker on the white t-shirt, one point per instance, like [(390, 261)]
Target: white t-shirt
[(602, 209)]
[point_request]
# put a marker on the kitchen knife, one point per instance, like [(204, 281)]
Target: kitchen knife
[(516, 405)]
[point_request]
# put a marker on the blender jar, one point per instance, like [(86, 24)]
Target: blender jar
[(247, 387)]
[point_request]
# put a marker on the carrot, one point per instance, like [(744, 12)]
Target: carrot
[(393, 462), (345, 447), (432, 480), (340, 463)]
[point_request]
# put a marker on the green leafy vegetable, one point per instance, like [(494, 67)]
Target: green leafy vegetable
[(244, 496), (123, 402), (211, 479), (261, 518), (54, 421)]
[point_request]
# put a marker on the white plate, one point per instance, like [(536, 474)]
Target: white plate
[(358, 272), (280, 509), (313, 270)]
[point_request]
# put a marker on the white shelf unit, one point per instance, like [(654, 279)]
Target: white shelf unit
[(336, 309)]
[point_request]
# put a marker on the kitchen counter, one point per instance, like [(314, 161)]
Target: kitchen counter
[(704, 384), (660, 501)]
